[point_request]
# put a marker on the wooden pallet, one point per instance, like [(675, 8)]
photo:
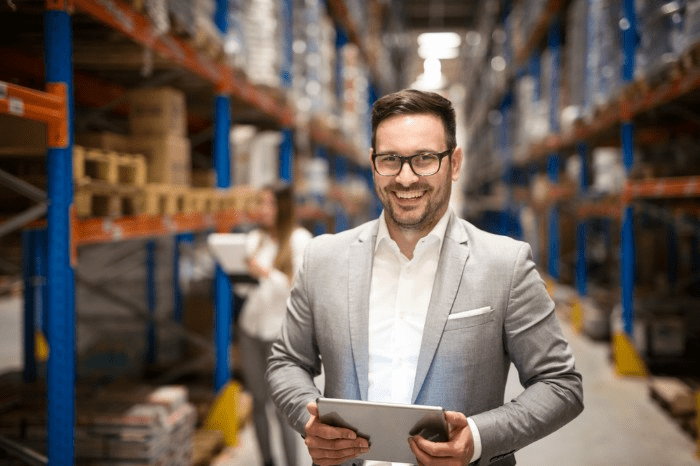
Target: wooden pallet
[(206, 444), (165, 199), (680, 400), (201, 200), (674, 395), (100, 199), (113, 168)]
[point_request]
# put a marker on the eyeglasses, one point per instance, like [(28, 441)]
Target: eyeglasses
[(422, 164)]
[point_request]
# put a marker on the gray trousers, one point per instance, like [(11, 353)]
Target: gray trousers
[(254, 353)]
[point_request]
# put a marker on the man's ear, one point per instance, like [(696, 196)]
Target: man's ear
[(456, 165)]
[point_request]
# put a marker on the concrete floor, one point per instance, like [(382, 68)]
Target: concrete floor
[(620, 426)]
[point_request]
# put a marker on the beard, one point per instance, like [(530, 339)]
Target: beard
[(426, 215)]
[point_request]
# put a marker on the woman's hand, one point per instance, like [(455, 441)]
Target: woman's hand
[(457, 451), (330, 445), (256, 270)]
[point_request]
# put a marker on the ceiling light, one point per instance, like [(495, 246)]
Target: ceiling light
[(441, 45)]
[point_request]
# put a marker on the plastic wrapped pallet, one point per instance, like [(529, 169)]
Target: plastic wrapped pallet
[(576, 51), (127, 427), (157, 11), (660, 24), (604, 55), (691, 24), (263, 42), (355, 117), (235, 55)]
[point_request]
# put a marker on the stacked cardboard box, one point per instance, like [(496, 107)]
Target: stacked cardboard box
[(158, 127)]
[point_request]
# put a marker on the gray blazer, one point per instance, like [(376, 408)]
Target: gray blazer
[(463, 362)]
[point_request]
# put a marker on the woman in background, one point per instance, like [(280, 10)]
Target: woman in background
[(275, 251)]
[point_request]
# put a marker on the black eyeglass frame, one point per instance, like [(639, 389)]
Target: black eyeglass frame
[(409, 159)]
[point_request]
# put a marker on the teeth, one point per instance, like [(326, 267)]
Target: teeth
[(409, 194)]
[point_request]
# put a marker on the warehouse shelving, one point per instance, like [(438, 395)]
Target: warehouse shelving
[(623, 121), (66, 232)]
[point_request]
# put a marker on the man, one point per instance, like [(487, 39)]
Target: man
[(421, 307)]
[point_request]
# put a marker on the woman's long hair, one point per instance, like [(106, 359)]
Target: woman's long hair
[(284, 226)]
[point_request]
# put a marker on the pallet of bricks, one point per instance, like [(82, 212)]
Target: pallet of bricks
[(129, 427)]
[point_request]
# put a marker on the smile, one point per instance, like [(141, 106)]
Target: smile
[(409, 194)]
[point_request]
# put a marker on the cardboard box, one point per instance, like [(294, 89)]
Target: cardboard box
[(104, 140), (169, 158), (157, 111)]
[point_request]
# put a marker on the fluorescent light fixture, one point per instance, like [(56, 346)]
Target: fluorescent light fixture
[(431, 78), (441, 45)]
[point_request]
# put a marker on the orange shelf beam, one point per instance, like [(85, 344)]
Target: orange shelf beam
[(631, 104), (123, 18), (659, 188), (602, 209), (47, 107), (103, 230)]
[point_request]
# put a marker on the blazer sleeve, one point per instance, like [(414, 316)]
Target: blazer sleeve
[(294, 360), (553, 392)]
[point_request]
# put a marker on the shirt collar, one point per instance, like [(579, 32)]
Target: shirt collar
[(438, 231)]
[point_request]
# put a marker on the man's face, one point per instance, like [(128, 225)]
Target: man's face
[(411, 201)]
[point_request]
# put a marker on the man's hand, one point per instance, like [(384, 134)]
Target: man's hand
[(331, 445), (457, 451)]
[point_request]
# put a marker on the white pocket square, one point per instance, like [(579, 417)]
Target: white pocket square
[(470, 313)]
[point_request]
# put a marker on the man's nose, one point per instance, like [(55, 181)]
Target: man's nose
[(406, 175)]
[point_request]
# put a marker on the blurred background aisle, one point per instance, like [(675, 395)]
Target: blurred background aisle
[(132, 129)]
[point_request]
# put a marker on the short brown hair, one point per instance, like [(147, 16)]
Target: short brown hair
[(412, 101)]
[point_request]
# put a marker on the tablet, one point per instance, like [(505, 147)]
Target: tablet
[(229, 251), (387, 426)]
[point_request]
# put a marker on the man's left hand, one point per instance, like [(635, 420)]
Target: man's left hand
[(457, 451)]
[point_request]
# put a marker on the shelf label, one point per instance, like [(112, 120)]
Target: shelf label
[(15, 106)]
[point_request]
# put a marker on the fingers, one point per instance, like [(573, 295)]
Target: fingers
[(312, 408), (330, 445), (456, 419), (457, 450)]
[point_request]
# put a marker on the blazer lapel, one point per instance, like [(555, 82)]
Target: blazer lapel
[(453, 258), (359, 280)]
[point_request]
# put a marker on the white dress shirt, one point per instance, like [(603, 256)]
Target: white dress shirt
[(398, 304)]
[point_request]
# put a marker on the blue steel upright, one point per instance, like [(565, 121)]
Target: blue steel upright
[(223, 296), (60, 309), (151, 343), (554, 43), (627, 248), (29, 275), (553, 220), (286, 154), (581, 266)]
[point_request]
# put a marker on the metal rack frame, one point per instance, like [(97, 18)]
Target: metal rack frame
[(50, 271), (629, 104)]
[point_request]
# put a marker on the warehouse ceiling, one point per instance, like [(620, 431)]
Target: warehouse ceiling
[(420, 16), (440, 14)]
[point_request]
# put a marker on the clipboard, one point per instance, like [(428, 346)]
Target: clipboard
[(387, 426), (229, 251)]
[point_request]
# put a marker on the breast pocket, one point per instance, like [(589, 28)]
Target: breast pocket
[(470, 318)]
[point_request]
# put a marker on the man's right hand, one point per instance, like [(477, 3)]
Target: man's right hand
[(330, 445)]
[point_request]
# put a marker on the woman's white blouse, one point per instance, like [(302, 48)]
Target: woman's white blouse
[(266, 303)]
